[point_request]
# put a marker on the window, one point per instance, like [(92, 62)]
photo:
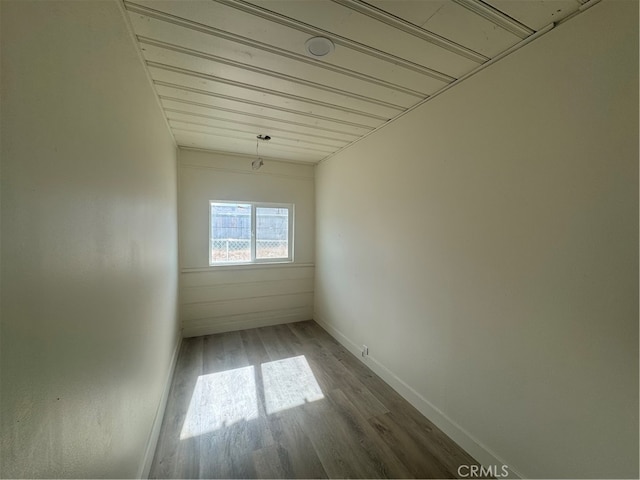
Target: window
[(246, 232)]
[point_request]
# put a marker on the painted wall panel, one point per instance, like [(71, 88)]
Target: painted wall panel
[(242, 321), (89, 244), (485, 247), (250, 304), (232, 291), (233, 275)]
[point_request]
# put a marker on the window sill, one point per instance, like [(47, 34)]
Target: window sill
[(246, 266)]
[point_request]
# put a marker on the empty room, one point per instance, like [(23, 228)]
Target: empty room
[(319, 239)]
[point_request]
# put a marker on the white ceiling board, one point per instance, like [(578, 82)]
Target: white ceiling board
[(536, 14), (226, 71), (417, 12), (278, 62), (450, 20), (468, 28), (226, 79), (259, 125), (360, 28)]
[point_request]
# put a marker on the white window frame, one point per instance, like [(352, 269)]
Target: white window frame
[(254, 205)]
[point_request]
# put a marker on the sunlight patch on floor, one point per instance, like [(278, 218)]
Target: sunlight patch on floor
[(223, 399), (220, 400), (289, 383)]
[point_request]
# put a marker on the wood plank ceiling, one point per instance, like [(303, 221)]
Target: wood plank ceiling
[(226, 71)]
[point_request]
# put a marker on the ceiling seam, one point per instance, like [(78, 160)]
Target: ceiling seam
[(403, 25), (496, 17)]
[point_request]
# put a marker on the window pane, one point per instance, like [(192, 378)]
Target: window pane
[(272, 232), (230, 232)]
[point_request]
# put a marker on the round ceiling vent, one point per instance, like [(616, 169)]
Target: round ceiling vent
[(319, 46)]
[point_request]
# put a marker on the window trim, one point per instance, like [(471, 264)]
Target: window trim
[(254, 205)]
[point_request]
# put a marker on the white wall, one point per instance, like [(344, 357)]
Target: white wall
[(89, 244), (485, 248), (224, 298)]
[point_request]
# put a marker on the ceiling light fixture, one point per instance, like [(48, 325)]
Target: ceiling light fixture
[(319, 47), (258, 162)]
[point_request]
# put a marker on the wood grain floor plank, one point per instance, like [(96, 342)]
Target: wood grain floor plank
[(375, 450), (254, 348), (327, 435), (267, 462), (257, 356), (276, 348), (213, 360), (346, 444), (249, 349), (420, 461), (256, 433), (298, 458), (215, 458), (227, 447), (176, 457)]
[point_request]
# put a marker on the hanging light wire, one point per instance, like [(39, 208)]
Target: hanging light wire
[(258, 162)]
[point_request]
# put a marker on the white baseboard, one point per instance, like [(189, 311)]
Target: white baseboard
[(145, 468), (235, 325), (454, 431)]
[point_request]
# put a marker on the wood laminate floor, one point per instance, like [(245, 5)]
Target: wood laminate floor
[(288, 401)]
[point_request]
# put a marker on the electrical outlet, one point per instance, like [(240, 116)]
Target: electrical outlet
[(365, 350)]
